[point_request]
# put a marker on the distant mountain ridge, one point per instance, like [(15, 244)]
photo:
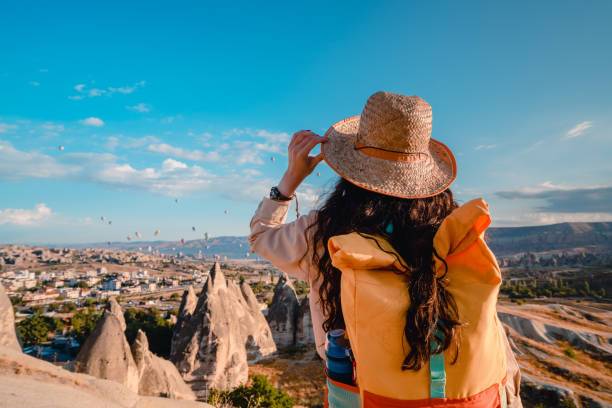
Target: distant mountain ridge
[(592, 236)]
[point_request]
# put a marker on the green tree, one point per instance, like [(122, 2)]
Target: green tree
[(174, 296), (157, 329), (35, 330), (37, 310), (82, 284), (67, 307), (83, 323), (32, 331)]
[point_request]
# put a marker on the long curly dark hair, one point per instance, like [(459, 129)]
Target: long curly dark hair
[(349, 208)]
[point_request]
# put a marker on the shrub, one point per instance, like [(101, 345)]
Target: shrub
[(569, 351), (260, 394)]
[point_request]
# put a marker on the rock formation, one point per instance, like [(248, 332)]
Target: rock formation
[(210, 350), (26, 381), (282, 313), (289, 317), (8, 336), (116, 311), (157, 376), (188, 304), (561, 350), (304, 333), (106, 353)]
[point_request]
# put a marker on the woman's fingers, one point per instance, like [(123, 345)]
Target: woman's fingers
[(298, 137), (310, 143)]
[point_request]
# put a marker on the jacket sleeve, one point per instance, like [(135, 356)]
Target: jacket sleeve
[(513, 381), (283, 245)]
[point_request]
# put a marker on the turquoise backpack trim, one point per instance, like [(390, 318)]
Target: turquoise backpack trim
[(437, 373), (340, 398)]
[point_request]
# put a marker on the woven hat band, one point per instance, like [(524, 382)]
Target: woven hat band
[(391, 155)]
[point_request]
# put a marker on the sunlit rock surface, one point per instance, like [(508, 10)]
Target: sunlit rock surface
[(106, 354), (157, 376), (8, 336), (210, 350)]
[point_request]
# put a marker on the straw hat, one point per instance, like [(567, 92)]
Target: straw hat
[(388, 148)]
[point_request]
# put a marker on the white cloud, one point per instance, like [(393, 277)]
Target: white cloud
[(4, 127), (20, 216), (34, 83), (530, 218), (195, 155), (578, 130), (533, 146), (485, 147), (127, 89), (53, 127), (93, 92), (279, 137), (141, 107), (111, 142), (171, 164), (92, 122), (18, 165)]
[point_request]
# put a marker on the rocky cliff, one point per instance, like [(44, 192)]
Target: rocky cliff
[(288, 316), (106, 354), (29, 382), (564, 352), (8, 337), (213, 345)]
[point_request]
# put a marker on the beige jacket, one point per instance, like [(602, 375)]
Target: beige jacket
[(286, 247)]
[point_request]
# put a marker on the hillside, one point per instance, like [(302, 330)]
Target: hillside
[(594, 237)]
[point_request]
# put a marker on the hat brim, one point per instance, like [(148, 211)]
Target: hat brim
[(420, 178)]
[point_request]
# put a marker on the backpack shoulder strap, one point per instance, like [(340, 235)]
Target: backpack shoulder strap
[(437, 382)]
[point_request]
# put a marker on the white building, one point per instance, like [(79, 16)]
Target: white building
[(112, 284)]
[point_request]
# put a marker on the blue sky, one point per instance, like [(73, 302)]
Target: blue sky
[(154, 101)]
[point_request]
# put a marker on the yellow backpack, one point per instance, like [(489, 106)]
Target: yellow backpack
[(374, 302)]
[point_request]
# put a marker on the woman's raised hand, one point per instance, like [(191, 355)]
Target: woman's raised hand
[(301, 164)]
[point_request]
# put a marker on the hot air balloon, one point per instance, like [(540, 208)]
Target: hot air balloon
[(193, 228), (110, 223), (60, 148), (272, 159), (156, 232), (129, 238), (102, 218), (240, 245), (138, 234), (176, 200), (227, 212), (318, 174), (182, 240), (248, 254), (206, 236)]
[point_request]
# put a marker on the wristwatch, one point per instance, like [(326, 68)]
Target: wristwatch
[(277, 195)]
